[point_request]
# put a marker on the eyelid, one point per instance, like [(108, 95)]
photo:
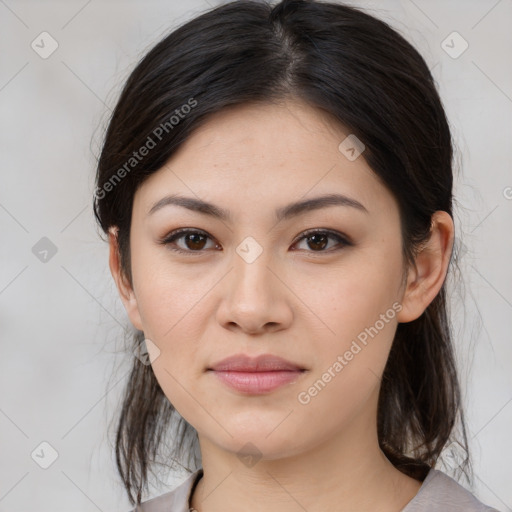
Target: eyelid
[(178, 233), (344, 239), (341, 238)]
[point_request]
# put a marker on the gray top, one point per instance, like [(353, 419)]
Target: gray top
[(438, 493)]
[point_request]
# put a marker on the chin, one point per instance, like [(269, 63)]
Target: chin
[(262, 441)]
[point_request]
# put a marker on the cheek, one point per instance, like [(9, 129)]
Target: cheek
[(356, 297), (167, 294), (360, 309), (174, 321), (348, 371), (173, 316)]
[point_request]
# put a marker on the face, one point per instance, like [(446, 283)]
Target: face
[(253, 282)]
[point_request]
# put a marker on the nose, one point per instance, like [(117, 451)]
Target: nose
[(255, 298)]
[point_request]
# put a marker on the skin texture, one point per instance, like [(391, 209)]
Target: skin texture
[(299, 299)]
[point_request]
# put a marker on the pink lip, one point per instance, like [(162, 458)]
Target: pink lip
[(257, 383), (257, 375), (261, 363)]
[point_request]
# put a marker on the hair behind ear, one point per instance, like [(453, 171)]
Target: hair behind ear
[(420, 396)]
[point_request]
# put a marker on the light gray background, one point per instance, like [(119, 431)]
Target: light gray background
[(61, 320)]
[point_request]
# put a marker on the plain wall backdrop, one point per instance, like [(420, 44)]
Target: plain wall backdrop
[(61, 322)]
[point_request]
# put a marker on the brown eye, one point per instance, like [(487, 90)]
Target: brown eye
[(192, 241), (318, 240)]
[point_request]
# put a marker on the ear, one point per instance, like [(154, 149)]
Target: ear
[(427, 276), (124, 287)]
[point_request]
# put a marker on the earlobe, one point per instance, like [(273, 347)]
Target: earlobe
[(426, 278), (124, 288)]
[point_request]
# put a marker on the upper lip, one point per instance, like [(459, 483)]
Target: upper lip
[(261, 363)]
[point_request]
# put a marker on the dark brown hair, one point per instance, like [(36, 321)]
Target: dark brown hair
[(361, 71)]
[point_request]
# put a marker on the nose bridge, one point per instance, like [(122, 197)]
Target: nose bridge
[(251, 275), (254, 297)]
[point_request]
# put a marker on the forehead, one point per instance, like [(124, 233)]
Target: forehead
[(253, 154), (279, 130)]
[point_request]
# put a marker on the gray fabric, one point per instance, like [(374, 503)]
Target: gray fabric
[(176, 500), (438, 493)]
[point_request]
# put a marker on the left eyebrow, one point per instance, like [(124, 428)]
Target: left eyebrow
[(284, 213), (317, 203)]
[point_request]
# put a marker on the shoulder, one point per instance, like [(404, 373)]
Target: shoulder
[(440, 492), (176, 500)]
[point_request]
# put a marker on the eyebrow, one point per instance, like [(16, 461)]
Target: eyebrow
[(284, 213)]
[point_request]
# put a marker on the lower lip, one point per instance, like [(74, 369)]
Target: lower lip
[(256, 383)]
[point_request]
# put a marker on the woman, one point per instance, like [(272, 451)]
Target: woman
[(276, 185)]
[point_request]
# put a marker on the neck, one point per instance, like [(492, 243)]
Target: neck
[(345, 472)]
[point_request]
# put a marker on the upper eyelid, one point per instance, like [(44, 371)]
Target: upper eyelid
[(178, 233)]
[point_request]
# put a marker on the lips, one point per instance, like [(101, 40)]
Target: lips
[(262, 363), (256, 375)]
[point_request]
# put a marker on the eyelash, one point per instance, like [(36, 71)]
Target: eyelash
[(176, 235)]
